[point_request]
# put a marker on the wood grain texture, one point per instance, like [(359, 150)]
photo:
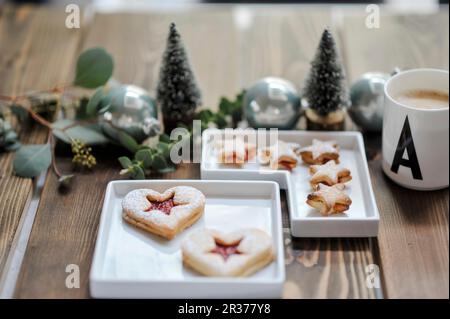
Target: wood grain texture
[(282, 42), (404, 41), (137, 42), (64, 233), (413, 239), (328, 267), (211, 40), (36, 52), (65, 230)]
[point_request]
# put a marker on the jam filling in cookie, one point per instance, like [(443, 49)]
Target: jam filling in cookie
[(226, 250), (164, 206), (236, 254), (164, 214)]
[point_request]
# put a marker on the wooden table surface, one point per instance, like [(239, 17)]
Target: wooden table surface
[(229, 48)]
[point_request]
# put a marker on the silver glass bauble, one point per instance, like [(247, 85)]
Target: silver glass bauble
[(367, 101), (131, 109), (272, 103)]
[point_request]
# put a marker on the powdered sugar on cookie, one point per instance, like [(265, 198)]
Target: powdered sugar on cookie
[(329, 173), (188, 206)]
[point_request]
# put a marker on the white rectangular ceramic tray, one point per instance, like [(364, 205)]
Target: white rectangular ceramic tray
[(361, 220), (131, 263)]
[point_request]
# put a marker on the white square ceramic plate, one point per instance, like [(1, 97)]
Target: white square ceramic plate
[(131, 263), (361, 220)]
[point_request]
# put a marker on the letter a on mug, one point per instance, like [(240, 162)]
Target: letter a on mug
[(406, 142)]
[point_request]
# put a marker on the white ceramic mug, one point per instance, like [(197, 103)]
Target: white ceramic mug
[(416, 140)]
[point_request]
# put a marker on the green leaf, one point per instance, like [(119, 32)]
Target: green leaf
[(127, 141), (125, 161), (165, 138), (145, 156), (94, 101), (67, 130), (221, 121), (31, 160), (164, 149), (137, 173), (94, 68), (159, 162), (81, 109), (206, 116), (13, 147), (226, 106), (21, 114), (10, 137), (110, 132)]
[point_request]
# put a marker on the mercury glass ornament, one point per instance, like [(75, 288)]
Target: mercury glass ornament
[(272, 103), (367, 101), (132, 109)]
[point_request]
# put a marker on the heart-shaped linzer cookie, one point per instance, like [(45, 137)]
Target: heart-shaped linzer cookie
[(236, 254), (164, 214)]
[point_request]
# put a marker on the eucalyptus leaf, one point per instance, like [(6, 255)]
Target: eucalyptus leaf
[(127, 141), (31, 160), (145, 156), (81, 109), (164, 148), (10, 137), (94, 68), (159, 162), (67, 130), (125, 162), (165, 138), (138, 172), (94, 102), (13, 147), (21, 114), (108, 130)]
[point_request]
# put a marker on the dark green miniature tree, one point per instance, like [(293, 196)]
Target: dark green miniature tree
[(325, 89), (177, 92)]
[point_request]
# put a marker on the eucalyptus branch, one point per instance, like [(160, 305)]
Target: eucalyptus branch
[(94, 68), (27, 95), (37, 117), (51, 140)]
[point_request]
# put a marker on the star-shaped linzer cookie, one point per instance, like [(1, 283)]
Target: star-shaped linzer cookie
[(329, 174), (235, 151), (320, 152), (329, 199), (279, 156)]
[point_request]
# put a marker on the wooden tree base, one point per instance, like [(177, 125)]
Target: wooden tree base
[(335, 121)]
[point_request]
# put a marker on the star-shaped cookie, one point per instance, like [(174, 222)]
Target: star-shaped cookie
[(235, 151), (329, 199), (320, 152), (281, 155), (329, 174)]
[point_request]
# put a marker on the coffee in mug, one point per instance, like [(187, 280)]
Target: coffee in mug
[(423, 99), (416, 129)]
